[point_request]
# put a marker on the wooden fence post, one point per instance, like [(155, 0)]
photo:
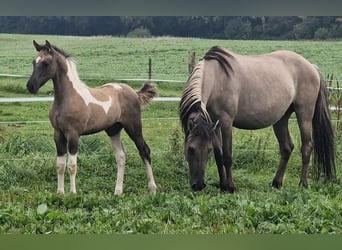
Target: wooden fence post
[(150, 68), (191, 61)]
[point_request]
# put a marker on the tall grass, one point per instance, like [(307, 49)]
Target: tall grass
[(28, 181)]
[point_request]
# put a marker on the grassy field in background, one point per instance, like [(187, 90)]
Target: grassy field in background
[(28, 181)]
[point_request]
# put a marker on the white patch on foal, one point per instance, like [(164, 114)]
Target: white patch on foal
[(83, 90), (115, 86), (38, 59), (61, 163)]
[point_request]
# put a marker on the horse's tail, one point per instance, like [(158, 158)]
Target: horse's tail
[(323, 137), (147, 93)]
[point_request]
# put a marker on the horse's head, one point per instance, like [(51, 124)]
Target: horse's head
[(198, 144), (44, 67)]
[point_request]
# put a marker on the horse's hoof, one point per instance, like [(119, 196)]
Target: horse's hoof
[(277, 184), (303, 184), (230, 190)]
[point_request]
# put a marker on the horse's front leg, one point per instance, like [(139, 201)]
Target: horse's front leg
[(73, 140), (217, 145), (227, 153), (61, 146)]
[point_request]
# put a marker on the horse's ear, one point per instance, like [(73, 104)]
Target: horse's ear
[(214, 126), (48, 45), (37, 46)]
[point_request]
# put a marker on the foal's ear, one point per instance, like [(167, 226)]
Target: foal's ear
[(37, 46), (48, 45)]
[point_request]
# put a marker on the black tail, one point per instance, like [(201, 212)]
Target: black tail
[(323, 138)]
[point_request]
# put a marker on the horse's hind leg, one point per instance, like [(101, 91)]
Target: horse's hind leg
[(135, 133), (285, 147), (114, 133), (120, 158), (61, 146), (305, 127)]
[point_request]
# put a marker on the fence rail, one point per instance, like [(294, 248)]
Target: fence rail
[(50, 99), (129, 77)]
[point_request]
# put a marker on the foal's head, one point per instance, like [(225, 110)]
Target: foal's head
[(198, 144), (45, 66)]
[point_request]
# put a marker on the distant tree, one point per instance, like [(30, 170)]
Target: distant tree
[(132, 22), (238, 28), (139, 32), (302, 31), (279, 27), (222, 27), (321, 34)]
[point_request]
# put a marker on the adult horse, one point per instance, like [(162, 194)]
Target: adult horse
[(79, 110), (252, 92)]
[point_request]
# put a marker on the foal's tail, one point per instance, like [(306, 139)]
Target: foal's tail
[(147, 92), (323, 137)]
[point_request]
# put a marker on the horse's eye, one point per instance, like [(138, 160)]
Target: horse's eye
[(45, 63), (191, 150)]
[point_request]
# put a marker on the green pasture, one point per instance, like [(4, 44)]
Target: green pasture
[(28, 182)]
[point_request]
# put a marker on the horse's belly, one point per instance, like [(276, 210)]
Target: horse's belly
[(257, 119)]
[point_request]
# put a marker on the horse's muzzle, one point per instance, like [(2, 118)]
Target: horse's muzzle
[(31, 88)]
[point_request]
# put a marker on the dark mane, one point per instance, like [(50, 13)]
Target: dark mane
[(62, 52), (219, 54), (191, 101)]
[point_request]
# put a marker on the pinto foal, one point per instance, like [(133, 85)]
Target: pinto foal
[(80, 110)]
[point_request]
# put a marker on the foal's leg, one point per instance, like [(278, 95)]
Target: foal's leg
[(135, 133), (120, 157), (285, 147), (61, 146), (72, 160)]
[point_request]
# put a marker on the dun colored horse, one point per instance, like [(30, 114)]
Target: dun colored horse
[(252, 92), (79, 110)]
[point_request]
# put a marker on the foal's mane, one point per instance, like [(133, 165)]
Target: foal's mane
[(62, 52), (191, 100)]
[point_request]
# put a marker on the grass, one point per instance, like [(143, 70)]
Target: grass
[(28, 181)]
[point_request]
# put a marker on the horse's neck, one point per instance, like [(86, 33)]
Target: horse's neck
[(66, 82)]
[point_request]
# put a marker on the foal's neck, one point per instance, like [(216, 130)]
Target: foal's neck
[(65, 80)]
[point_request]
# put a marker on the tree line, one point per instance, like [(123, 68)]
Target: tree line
[(214, 27)]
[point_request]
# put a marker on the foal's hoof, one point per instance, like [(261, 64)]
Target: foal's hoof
[(60, 192), (153, 188), (118, 191), (303, 184), (276, 184)]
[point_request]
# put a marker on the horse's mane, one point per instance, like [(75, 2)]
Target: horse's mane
[(221, 55), (62, 52), (191, 100)]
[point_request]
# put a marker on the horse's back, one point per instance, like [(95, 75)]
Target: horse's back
[(262, 87)]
